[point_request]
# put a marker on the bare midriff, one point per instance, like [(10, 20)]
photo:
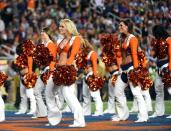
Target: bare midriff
[(127, 60), (62, 58), (115, 67)]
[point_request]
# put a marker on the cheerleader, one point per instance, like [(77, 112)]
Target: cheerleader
[(23, 107), (27, 92), (162, 50), (53, 113), (129, 52), (91, 69), (146, 95), (111, 56), (67, 50), (111, 98), (40, 86)]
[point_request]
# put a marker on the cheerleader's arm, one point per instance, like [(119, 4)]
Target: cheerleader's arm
[(53, 51), (134, 50), (74, 51), (30, 64), (94, 62)]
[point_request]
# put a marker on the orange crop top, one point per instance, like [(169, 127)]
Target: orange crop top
[(132, 46), (92, 57), (75, 49), (74, 44)]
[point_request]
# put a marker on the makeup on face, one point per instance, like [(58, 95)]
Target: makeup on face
[(122, 27)]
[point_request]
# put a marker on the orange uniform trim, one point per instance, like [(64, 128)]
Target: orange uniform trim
[(53, 51), (134, 50), (93, 59), (75, 48), (169, 51), (30, 64)]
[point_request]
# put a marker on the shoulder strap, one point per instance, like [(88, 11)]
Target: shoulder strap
[(129, 38), (89, 54)]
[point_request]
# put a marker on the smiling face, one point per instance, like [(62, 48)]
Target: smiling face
[(123, 28), (62, 28)]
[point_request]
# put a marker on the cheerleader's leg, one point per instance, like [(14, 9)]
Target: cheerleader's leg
[(54, 114), (41, 110), (134, 106), (86, 99), (147, 99), (2, 109), (143, 114), (30, 95), (159, 105), (111, 99), (121, 101), (74, 90), (59, 97), (98, 102), (23, 104), (74, 105), (169, 90)]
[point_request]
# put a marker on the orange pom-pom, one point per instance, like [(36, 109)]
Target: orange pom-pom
[(28, 48), (29, 80), (160, 47), (132, 76), (65, 75), (42, 56), (141, 58), (95, 82), (110, 45), (45, 76), (81, 60), (3, 78), (21, 61), (166, 78), (140, 76)]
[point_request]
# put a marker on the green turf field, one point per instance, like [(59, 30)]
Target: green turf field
[(10, 107)]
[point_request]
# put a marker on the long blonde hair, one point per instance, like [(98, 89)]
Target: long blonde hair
[(71, 27), (85, 44)]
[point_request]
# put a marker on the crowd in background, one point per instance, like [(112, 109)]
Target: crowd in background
[(24, 19)]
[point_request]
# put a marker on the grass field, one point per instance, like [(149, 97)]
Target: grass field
[(10, 107)]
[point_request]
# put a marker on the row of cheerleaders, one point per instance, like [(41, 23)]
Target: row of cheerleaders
[(59, 63)]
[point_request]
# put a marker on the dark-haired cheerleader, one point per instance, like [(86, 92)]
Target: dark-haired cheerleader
[(130, 64), (162, 50), (111, 56)]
